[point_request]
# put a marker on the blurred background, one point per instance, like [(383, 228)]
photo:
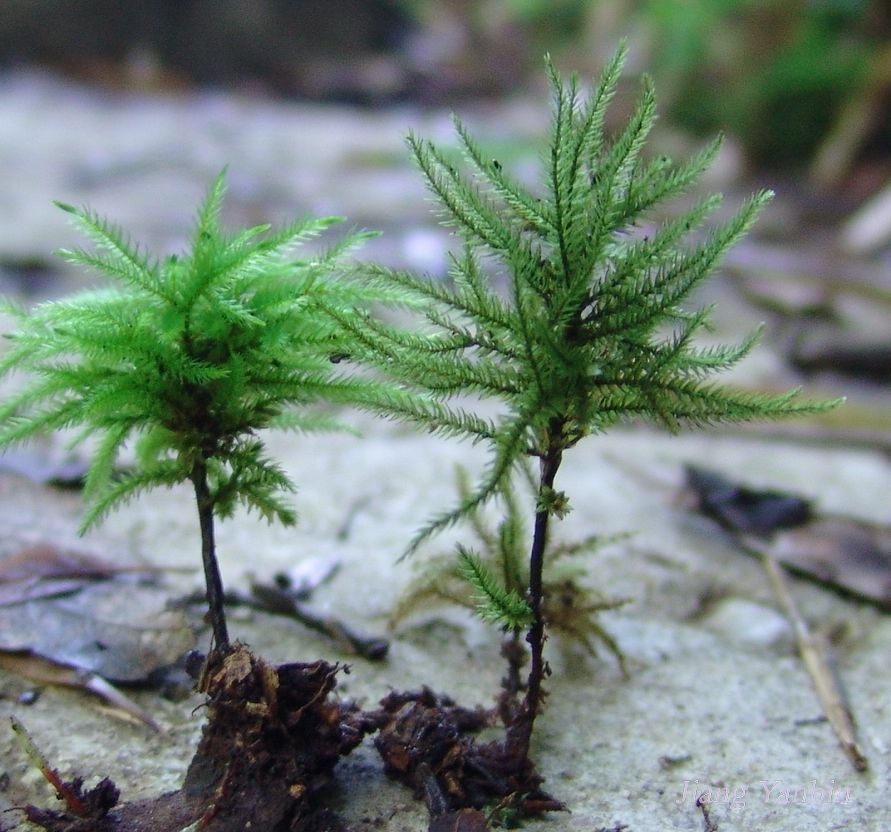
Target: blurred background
[(133, 107), (791, 79)]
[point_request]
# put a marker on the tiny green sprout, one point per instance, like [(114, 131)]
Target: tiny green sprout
[(498, 568), (553, 502), (189, 358), (594, 327), (495, 603)]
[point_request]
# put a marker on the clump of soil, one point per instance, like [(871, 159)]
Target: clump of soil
[(426, 742), (272, 739)]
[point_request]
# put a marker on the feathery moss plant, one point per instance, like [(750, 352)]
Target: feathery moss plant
[(191, 356), (592, 329)]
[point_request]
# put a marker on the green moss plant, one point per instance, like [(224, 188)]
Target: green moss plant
[(190, 357), (491, 578), (594, 326)]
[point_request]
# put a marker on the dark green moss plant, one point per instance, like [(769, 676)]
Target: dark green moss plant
[(592, 329), (191, 356)]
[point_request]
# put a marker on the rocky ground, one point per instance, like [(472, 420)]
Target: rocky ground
[(715, 698)]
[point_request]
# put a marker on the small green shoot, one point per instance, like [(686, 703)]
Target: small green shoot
[(189, 358)]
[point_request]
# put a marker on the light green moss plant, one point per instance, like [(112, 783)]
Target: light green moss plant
[(190, 358)]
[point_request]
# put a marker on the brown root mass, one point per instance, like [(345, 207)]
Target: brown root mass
[(425, 741), (271, 742)]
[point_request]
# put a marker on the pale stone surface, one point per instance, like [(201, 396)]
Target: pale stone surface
[(702, 708), (754, 624)]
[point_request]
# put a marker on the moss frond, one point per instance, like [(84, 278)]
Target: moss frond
[(578, 341), (190, 356), (571, 607), (495, 603)]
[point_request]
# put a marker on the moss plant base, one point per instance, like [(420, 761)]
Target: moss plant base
[(426, 741), (272, 739)]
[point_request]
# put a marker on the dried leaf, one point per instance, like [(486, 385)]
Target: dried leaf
[(849, 554), (18, 592), (841, 551), (44, 560), (121, 631), (83, 612), (46, 672)]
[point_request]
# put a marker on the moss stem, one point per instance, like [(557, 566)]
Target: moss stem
[(519, 732), (212, 578)]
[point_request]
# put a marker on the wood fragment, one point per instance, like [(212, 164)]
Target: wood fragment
[(813, 649)]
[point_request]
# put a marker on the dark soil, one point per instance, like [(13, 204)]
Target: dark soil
[(426, 742), (271, 742)]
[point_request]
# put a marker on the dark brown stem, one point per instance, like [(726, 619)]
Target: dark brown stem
[(212, 579), (515, 654), (511, 685), (519, 732)]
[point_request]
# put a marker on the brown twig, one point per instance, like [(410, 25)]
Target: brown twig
[(280, 601), (813, 649), (73, 801), (709, 825)]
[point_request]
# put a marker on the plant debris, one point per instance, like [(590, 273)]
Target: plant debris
[(271, 742), (44, 570), (814, 651), (91, 804), (281, 601), (285, 595), (46, 672), (843, 552), (770, 524), (848, 554), (741, 509), (425, 741), (121, 632)]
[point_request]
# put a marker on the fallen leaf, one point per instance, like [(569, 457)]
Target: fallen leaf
[(45, 672), (68, 617), (849, 554), (44, 560), (120, 630), (843, 552)]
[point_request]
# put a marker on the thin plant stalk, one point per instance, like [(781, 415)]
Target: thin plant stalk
[(212, 578), (519, 732)]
